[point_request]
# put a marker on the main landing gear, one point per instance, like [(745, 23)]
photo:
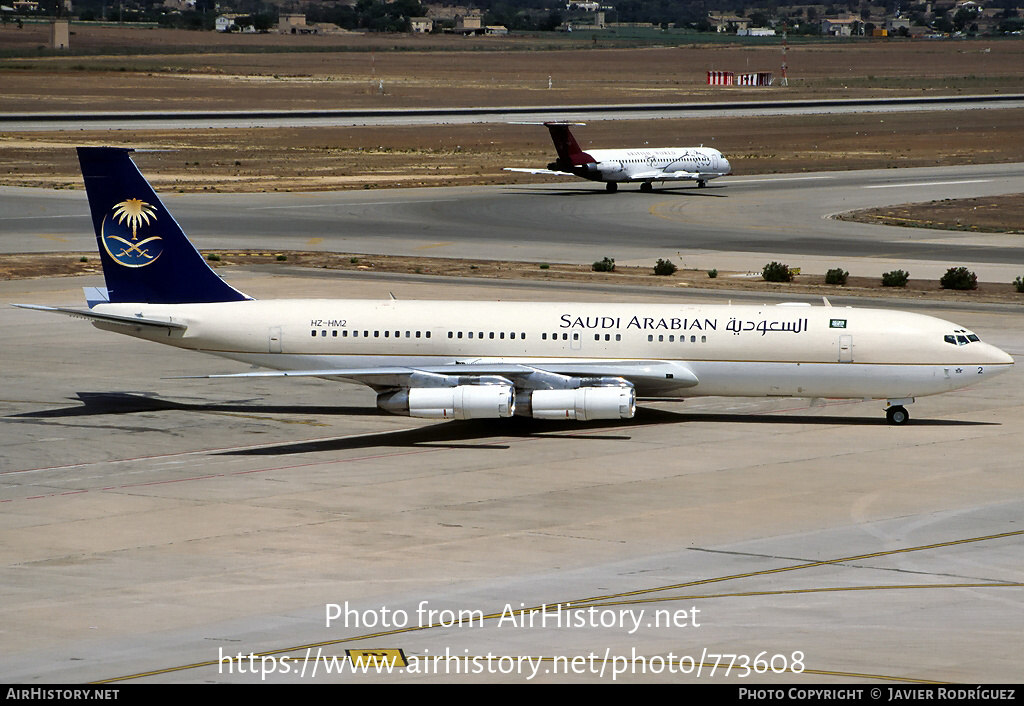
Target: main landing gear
[(611, 187), (701, 183), (647, 187)]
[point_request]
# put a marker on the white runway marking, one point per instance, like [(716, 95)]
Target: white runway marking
[(929, 183)]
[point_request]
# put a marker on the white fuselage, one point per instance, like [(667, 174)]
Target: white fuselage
[(753, 351), (620, 165)]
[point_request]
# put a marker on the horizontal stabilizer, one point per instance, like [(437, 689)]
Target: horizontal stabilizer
[(538, 171), (96, 295), (136, 321)]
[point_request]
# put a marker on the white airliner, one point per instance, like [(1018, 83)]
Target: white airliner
[(461, 360), (644, 165)]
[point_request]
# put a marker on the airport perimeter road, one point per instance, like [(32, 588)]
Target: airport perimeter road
[(734, 224), (151, 526)]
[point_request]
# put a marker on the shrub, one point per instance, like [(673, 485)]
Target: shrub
[(545, 266), (1018, 284), (777, 272), (712, 274), (959, 278), (282, 258), (836, 276), (896, 278), (85, 259), (664, 268), (605, 265), (213, 257)]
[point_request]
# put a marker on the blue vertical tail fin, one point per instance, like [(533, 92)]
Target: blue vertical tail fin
[(145, 254)]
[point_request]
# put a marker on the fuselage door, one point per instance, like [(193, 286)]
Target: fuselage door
[(274, 339), (846, 348)]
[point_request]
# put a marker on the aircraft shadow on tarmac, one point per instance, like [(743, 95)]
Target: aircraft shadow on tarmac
[(445, 434), (100, 403), (625, 191)]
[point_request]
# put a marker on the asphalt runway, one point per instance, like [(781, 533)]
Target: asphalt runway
[(184, 120), (737, 223), (150, 527)]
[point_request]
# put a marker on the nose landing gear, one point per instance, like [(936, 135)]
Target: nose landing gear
[(897, 415)]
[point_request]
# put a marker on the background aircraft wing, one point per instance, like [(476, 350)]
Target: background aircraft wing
[(538, 171), (656, 175)]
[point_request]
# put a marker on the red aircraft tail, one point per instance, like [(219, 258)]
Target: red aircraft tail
[(568, 149)]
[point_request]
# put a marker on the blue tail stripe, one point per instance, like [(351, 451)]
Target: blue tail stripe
[(145, 254)]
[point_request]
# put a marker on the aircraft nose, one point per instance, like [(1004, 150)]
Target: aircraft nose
[(997, 356), (728, 167)]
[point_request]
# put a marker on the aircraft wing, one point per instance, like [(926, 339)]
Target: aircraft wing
[(132, 321), (538, 171), (657, 176), (651, 376)]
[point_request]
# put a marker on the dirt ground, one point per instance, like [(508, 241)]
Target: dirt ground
[(126, 69), (28, 266), (307, 159), (121, 69), (991, 214)]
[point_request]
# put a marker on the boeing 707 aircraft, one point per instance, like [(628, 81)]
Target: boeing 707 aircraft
[(479, 359), (644, 165)]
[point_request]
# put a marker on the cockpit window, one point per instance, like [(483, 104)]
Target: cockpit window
[(973, 338), (949, 339), (962, 340)]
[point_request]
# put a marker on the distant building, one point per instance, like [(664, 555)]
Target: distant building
[(727, 23), (894, 24), (756, 32), (470, 23), (289, 24), (421, 25), (295, 24), (59, 35), (840, 27), (224, 23)]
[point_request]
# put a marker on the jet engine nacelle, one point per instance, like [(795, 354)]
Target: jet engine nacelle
[(460, 402), (584, 403)]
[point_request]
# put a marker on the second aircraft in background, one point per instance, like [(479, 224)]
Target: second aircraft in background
[(643, 165)]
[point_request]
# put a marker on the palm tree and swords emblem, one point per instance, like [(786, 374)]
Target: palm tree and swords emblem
[(132, 213)]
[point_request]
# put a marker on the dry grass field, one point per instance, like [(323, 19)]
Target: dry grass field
[(305, 159), (221, 72), (992, 214), (134, 69)]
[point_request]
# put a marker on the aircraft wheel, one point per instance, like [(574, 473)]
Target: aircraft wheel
[(611, 187), (897, 415), (701, 183), (647, 187)]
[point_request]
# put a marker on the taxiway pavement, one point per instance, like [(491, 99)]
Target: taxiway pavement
[(737, 223), (151, 526)]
